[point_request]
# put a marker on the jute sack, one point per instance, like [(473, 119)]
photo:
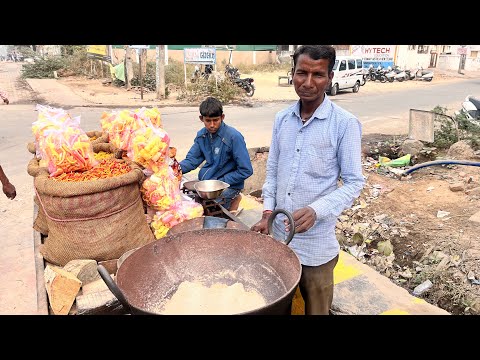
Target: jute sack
[(100, 137), (98, 219), (31, 147), (33, 169), (107, 147), (40, 222)]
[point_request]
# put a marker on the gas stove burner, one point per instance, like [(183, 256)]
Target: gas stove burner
[(210, 206)]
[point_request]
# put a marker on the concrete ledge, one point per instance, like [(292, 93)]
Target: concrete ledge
[(42, 297), (360, 290)]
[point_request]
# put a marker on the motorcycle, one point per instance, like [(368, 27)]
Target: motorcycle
[(390, 74), (378, 74), (471, 108), (246, 84), (231, 72), (421, 74), (401, 76), (197, 73), (408, 74)]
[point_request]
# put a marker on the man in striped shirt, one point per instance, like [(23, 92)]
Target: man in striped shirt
[(314, 172)]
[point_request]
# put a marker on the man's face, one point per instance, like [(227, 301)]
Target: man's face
[(212, 124), (311, 78)]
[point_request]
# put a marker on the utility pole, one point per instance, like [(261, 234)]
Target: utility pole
[(463, 55), (128, 67), (160, 74)]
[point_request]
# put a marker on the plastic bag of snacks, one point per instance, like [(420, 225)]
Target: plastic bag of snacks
[(163, 221), (120, 125), (150, 148), (67, 149), (161, 190), (150, 116), (50, 118)]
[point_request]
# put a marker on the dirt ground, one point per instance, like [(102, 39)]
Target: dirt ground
[(427, 223), (405, 212)]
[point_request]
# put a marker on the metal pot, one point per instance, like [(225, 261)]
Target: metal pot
[(151, 274), (210, 189), (189, 185)]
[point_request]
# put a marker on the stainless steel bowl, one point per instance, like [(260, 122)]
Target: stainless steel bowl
[(210, 189)]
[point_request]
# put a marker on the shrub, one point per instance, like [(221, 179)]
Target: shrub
[(445, 133), (43, 68)]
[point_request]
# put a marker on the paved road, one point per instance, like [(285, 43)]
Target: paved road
[(382, 111)]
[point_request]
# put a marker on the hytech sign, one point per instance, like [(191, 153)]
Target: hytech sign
[(383, 55)]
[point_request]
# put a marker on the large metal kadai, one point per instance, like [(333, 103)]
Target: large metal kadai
[(149, 276)]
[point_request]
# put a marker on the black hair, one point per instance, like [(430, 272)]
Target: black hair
[(211, 107), (316, 52)]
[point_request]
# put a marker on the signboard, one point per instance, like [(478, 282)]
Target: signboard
[(383, 55), (98, 52), (421, 125), (207, 55), (462, 51), (138, 47)]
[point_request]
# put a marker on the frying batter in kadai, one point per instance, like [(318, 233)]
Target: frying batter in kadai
[(194, 298)]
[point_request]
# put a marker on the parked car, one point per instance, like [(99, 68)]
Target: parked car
[(348, 74)]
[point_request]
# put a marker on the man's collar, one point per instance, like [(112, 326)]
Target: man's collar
[(321, 112)]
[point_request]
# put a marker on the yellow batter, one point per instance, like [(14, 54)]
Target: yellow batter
[(194, 298)]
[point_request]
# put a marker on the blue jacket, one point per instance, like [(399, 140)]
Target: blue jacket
[(225, 154)]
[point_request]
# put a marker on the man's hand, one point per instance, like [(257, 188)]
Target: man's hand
[(9, 191), (262, 225), (304, 219)]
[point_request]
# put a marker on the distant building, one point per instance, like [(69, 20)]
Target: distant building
[(3, 51)]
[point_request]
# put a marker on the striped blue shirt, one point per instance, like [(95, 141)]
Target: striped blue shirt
[(305, 163)]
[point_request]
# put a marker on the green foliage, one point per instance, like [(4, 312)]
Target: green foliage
[(67, 50), (174, 73), (149, 80), (42, 68), (225, 90), (385, 247), (445, 132), (26, 51), (74, 60)]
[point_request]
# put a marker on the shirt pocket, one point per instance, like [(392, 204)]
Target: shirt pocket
[(226, 155), (321, 161)]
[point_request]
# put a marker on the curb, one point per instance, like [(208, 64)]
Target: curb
[(359, 289)]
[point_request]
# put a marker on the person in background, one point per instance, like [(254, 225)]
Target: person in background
[(224, 151), (315, 145), (4, 97), (8, 188), (208, 70)]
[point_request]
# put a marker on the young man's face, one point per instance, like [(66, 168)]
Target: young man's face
[(212, 124)]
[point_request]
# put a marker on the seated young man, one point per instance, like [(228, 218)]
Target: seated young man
[(224, 151)]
